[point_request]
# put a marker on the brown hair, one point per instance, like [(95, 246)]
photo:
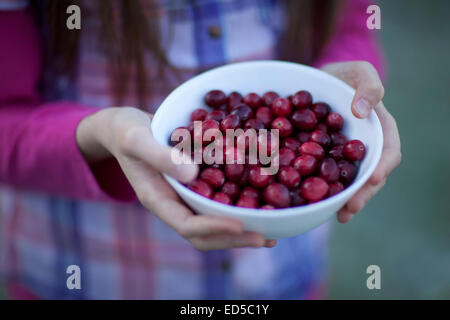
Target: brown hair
[(309, 27)]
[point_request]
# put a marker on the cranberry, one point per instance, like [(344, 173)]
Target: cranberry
[(190, 127), (267, 144), (231, 189), (249, 192), (243, 111), (201, 187), (287, 156), (337, 153), (312, 148), (289, 177), (335, 188), (296, 198), (234, 172), (321, 138), (283, 125), (267, 207), (354, 150), (217, 115), (234, 155), (314, 189), (291, 143), (259, 177), (254, 124), (321, 110), (303, 136), (215, 98), (222, 198), (231, 122), (244, 202), (233, 100), (281, 107), (305, 164), (348, 172), (243, 181), (302, 99), (304, 120), (180, 132), (198, 115), (277, 195), (264, 115), (209, 127), (214, 177), (253, 100), (322, 127), (334, 121), (328, 170), (338, 138), (269, 97)]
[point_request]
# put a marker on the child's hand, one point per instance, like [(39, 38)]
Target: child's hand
[(125, 134), (369, 92)]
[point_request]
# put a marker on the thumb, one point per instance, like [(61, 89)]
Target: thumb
[(162, 159)]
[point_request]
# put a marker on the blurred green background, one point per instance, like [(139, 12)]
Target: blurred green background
[(406, 228)]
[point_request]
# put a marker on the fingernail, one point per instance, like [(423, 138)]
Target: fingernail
[(362, 107), (346, 217)]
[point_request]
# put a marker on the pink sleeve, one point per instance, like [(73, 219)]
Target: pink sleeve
[(352, 39), (38, 149)]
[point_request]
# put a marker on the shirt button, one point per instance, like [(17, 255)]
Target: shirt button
[(215, 31)]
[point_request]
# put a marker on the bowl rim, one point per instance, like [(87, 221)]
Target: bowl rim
[(282, 212)]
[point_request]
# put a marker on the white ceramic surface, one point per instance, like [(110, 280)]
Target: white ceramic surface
[(285, 78)]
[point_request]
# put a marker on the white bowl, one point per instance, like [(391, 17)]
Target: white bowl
[(285, 78)]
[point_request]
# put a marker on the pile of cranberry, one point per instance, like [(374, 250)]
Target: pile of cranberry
[(316, 160)]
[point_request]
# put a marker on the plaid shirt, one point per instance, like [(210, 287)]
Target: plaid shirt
[(123, 251)]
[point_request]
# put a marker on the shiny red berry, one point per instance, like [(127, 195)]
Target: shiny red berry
[(232, 189), (302, 99), (249, 192), (277, 195), (254, 124), (304, 120), (259, 177), (269, 97), (312, 148), (264, 115), (348, 172), (223, 198), (296, 198), (198, 115), (354, 150), (338, 138), (306, 164), (337, 153), (243, 111), (286, 157), (281, 107), (214, 177), (233, 100), (335, 122), (335, 188), (314, 189), (231, 122), (321, 138), (201, 187), (234, 172), (217, 115), (321, 110), (215, 98), (283, 125), (250, 203), (329, 171), (289, 177), (291, 143), (253, 100)]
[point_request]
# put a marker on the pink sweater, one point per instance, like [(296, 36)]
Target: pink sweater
[(38, 150)]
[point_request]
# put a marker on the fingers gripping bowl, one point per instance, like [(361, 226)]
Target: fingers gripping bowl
[(285, 78)]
